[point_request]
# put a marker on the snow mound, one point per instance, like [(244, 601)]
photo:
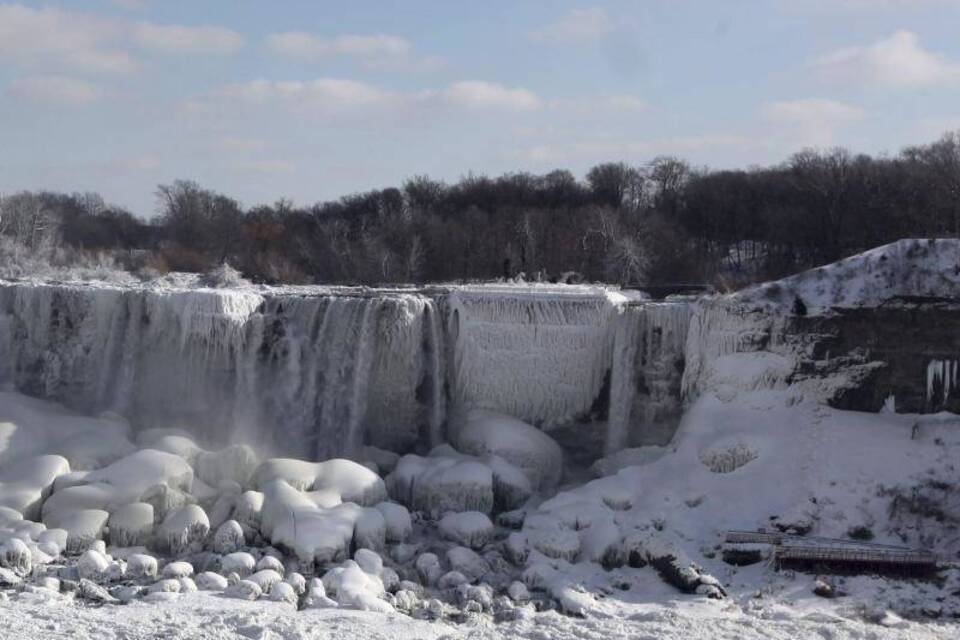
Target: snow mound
[(470, 528), (912, 268), (486, 433), (348, 480)]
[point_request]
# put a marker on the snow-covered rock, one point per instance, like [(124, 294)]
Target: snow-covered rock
[(179, 569), (228, 538), (209, 581), (141, 566), (131, 525), (239, 562), (92, 565), (469, 528), (270, 562), (487, 433), (370, 530), (283, 592), (265, 579), (397, 520), (244, 590), (183, 529), (438, 484), (467, 562)]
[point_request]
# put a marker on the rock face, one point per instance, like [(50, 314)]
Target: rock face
[(856, 359)]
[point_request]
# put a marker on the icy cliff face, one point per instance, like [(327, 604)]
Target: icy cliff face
[(875, 329), (540, 356), (648, 364), (319, 372), (313, 375)]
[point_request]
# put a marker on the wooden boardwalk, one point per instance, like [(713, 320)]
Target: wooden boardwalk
[(833, 555)]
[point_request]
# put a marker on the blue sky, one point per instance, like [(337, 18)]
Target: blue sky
[(311, 99)]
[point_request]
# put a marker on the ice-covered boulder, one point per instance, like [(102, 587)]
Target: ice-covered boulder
[(165, 499), (178, 569), (438, 484), (283, 592), (244, 590), (92, 565), (297, 581), (370, 530), (228, 538), (511, 486), (239, 562), (26, 483), (468, 562), (83, 526), (247, 510), (451, 580), (183, 530), (166, 585), (209, 581), (485, 433), (429, 569), (131, 525), (16, 556), (141, 566), (353, 587), (318, 535), (90, 590), (133, 475), (397, 520), (270, 562), (265, 579), (469, 528), (351, 481)]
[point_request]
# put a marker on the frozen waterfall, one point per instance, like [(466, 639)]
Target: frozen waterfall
[(648, 363), (318, 372)]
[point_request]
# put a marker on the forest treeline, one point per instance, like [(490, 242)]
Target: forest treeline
[(662, 222)]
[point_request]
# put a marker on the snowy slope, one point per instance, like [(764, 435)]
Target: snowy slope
[(911, 268)]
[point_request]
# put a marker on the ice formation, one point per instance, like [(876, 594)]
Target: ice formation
[(318, 372)]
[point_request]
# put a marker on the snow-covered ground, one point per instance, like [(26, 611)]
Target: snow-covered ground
[(767, 458)]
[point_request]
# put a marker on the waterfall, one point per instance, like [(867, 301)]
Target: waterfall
[(311, 375), (539, 355), (318, 372), (648, 362)]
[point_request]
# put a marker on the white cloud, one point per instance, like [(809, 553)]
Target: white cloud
[(327, 94), (377, 52), (897, 62), (306, 46), (52, 37), (579, 26), (478, 94), (335, 95), (810, 121), (183, 39), (59, 90)]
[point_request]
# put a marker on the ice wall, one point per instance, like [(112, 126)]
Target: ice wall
[(319, 372), (648, 362), (313, 375), (540, 355)]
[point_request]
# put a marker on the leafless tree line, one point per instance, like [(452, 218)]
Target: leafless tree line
[(662, 222)]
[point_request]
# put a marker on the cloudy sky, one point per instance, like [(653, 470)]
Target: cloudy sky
[(312, 99)]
